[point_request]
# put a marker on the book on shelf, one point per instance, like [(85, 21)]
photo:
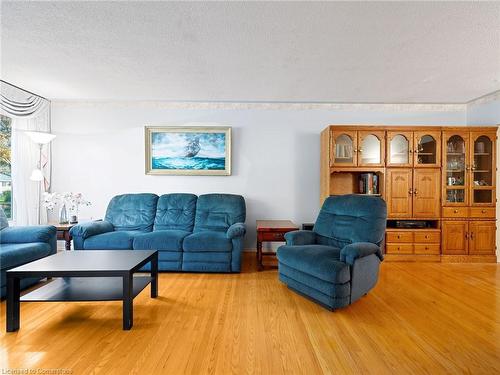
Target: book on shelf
[(368, 183)]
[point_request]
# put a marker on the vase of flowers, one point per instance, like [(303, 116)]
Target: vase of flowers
[(67, 201), (63, 214)]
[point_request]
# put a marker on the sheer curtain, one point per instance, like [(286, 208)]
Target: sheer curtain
[(28, 113)]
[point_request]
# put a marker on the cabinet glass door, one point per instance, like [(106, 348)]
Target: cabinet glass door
[(344, 149), (455, 176), (371, 148), (427, 149), (482, 169), (399, 149)]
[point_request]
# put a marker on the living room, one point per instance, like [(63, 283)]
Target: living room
[(249, 187)]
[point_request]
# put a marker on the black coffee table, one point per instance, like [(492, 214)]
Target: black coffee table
[(93, 275)]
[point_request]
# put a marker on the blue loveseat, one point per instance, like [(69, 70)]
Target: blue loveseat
[(197, 234), (21, 245), (337, 262)]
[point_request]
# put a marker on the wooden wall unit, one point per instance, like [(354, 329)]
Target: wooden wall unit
[(443, 176)]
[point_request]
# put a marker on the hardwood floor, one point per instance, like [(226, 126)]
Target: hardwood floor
[(421, 318)]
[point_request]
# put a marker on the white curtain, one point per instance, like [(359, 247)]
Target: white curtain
[(28, 113)]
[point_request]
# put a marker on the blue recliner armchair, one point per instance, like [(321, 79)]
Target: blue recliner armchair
[(191, 233), (21, 245), (337, 262)]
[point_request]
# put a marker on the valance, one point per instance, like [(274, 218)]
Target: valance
[(15, 102)]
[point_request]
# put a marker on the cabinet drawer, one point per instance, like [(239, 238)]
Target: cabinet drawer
[(455, 212), (270, 236), (431, 248), (399, 237), (393, 248), (428, 237), (482, 212)]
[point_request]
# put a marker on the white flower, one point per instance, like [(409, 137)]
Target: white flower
[(72, 200)]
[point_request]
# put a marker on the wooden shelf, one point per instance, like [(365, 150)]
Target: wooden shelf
[(338, 169), (405, 172)]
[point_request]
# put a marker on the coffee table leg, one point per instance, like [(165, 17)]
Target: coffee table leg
[(154, 276), (13, 295), (128, 301)]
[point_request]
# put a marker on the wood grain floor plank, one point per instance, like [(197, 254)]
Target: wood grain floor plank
[(421, 319)]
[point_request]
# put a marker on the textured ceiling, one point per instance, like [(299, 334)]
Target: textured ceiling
[(425, 52)]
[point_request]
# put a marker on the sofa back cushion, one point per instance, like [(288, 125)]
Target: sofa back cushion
[(4, 223), (176, 211), (132, 211), (345, 219), (218, 212)]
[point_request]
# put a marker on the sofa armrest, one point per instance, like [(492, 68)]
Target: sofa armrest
[(91, 228), (357, 250), (236, 230), (300, 237), (39, 233)]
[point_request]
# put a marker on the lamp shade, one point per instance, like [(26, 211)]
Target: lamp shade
[(41, 138), (36, 175)]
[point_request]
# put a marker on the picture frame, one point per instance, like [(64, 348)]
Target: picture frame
[(187, 150)]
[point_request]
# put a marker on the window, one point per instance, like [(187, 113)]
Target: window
[(5, 166)]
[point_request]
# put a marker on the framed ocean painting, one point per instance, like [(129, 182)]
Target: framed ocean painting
[(188, 150)]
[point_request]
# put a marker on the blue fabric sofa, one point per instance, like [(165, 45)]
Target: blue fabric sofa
[(197, 234), (337, 262), (21, 245)]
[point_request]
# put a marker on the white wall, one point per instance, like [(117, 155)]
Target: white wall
[(99, 150), (485, 111)]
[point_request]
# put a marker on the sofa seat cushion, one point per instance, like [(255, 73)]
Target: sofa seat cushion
[(161, 240), (322, 262), (16, 254), (118, 240), (207, 241)]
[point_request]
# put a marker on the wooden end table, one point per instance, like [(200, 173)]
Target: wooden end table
[(63, 233), (271, 231)]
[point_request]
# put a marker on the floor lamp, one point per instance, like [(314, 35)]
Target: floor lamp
[(41, 139)]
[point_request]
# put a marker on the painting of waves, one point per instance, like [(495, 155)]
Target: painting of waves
[(196, 163), (189, 150)]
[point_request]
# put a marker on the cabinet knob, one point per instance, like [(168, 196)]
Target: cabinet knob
[(399, 237), (426, 236), (360, 150), (483, 211), (455, 211), (426, 248), (415, 191)]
